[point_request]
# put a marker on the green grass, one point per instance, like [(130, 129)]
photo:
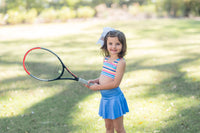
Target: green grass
[(161, 83)]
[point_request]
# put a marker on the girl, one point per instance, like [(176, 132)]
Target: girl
[(113, 104)]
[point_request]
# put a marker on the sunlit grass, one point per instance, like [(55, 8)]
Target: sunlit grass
[(161, 82), (18, 101)]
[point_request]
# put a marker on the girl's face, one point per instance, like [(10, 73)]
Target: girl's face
[(114, 46)]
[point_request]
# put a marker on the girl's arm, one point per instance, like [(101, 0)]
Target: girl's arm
[(116, 82)]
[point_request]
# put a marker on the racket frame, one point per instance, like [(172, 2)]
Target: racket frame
[(83, 81), (57, 78)]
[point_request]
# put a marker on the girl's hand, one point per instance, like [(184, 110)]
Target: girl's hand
[(94, 87), (89, 81)]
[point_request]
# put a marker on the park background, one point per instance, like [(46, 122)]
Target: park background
[(162, 79)]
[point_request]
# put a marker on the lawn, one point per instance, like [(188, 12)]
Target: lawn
[(161, 83)]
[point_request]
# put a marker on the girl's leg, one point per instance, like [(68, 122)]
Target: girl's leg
[(109, 126), (118, 125)]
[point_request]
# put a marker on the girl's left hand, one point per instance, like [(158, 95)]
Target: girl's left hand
[(94, 87)]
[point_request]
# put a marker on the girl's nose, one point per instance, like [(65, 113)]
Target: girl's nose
[(114, 46)]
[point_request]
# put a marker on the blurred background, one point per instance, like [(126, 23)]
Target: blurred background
[(162, 79), (46, 11)]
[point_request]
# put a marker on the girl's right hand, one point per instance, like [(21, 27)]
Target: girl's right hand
[(94, 86), (89, 81)]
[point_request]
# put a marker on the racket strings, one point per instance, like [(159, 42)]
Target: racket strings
[(43, 65)]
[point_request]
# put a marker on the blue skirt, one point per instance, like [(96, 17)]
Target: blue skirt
[(113, 104)]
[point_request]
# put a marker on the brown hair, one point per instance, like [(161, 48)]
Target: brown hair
[(121, 37)]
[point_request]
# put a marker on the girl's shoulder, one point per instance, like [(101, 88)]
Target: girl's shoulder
[(122, 62)]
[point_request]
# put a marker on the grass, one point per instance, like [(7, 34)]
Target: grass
[(161, 83)]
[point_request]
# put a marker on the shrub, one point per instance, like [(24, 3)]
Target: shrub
[(15, 17), (65, 14), (85, 12), (48, 15), (134, 9), (1, 19), (30, 16), (148, 10)]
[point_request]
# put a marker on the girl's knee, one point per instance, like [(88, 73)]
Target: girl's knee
[(120, 130), (109, 126)]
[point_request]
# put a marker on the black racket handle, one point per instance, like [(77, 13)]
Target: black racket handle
[(83, 81)]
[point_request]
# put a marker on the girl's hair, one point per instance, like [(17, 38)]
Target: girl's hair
[(121, 37)]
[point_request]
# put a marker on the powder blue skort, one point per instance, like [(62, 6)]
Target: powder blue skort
[(113, 104)]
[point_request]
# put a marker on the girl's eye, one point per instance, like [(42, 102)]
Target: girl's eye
[(118, 43)]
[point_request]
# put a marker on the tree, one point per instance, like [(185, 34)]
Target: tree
[(176, 8)]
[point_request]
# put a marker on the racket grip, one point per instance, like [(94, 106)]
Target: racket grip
[(83, 81)]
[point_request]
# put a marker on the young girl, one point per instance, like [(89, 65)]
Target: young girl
[(113, 104)]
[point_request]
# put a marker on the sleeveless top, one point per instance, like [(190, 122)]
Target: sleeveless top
[(109, 68)]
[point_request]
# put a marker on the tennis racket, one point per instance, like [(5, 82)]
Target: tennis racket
[(44, 65)]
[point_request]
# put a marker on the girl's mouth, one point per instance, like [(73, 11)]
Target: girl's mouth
[(113, 50)]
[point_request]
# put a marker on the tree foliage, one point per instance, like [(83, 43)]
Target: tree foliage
[(176, 8), (22, 10), (172, 7)]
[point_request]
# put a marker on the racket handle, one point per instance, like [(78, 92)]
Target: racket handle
[(84, 81)]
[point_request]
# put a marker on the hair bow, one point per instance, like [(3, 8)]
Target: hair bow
[(105, 31)]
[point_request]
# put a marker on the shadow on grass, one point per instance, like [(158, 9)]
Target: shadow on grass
[(53, 114), (186, 121), (179, 85), (56, 113)]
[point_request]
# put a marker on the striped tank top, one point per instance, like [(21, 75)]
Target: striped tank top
[(109, 69)]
